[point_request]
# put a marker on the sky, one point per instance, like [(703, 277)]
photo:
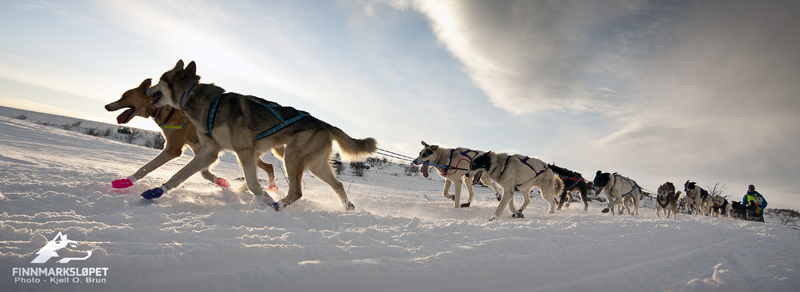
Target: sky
[(659, 91)]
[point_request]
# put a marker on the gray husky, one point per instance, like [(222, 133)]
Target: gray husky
[(667, 200), (249, 126)]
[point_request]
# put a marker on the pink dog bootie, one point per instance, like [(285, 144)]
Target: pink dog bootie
[(272, 188), (123, 183), (223, 182)]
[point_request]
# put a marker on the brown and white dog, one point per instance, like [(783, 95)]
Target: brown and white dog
[(451, 164), (667, 200), (178, 131)]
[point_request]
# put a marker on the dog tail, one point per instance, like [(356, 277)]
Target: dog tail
[(559, 183), (353, 149)]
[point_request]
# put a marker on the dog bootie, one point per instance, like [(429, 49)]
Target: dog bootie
[(222, 182), (155, 193), (272, 188), (123, 183), (278, 206)]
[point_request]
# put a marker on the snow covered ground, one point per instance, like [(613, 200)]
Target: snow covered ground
[(204, 238)]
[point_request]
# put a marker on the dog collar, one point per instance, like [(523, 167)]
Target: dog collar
[(164, 124)]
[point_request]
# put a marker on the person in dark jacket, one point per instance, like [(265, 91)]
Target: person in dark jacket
[(754, 199)]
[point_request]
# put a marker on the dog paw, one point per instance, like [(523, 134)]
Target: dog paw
[(493, 218), (155, 193), (222, 182), (349, 207), (605, 210), (465, 205), (451, 197), (121, 183), (518, 215), (498, 196)]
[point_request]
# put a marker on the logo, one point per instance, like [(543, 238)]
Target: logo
[(60, 274), (60, 241)]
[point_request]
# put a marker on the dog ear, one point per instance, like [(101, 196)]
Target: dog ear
[(145, 84), (435, 147), (424, 144), (179, 65), (191, 69)]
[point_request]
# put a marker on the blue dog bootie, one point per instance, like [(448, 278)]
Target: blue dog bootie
[(155, 193)]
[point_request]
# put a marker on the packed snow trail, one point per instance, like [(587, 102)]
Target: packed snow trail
[(201, 237)]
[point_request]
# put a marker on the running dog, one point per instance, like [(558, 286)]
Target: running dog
[(177, 131), (619, 190), (667, 200), (721, 206), (249, 126), (517, 171), (572, 180), (451, 164), (698, 198)]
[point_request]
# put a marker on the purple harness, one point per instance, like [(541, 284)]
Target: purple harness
[(447, 166), (524, 161)]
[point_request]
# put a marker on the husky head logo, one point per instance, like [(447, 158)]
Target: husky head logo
[(49, 250)]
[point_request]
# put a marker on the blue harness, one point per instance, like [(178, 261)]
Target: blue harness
[(212, 112)]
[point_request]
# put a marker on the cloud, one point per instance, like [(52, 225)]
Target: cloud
[(526, 55)]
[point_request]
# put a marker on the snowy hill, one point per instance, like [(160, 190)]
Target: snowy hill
[(204, 238)]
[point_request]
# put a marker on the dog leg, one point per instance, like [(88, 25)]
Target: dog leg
[(526, 199), (203, 159), (446, 190), (270, 170), (457, 199), (294, 172), (206, 173), (508, 195), (323, 171), (471, 193), (561, 199), (247, 163), (488, 181), (584, 200), (169, 153)]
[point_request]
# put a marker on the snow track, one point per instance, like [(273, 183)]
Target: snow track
[(203, 238)]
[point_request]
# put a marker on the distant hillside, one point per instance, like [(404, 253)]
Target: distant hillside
[(34, 117)]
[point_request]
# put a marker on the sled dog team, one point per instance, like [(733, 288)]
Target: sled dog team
[(209, 120)]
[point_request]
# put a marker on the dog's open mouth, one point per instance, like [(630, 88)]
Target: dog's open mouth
[(126, 116), (157, 97), (477, 177)]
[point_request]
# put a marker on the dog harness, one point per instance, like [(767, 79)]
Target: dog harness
[(447, 166), (635, 185), (665, 202), (524, 161), (186, 94), (212, 112)]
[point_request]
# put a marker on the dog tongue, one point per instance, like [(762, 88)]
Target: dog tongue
[(424, 170), (476, 178), (125, 116)]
